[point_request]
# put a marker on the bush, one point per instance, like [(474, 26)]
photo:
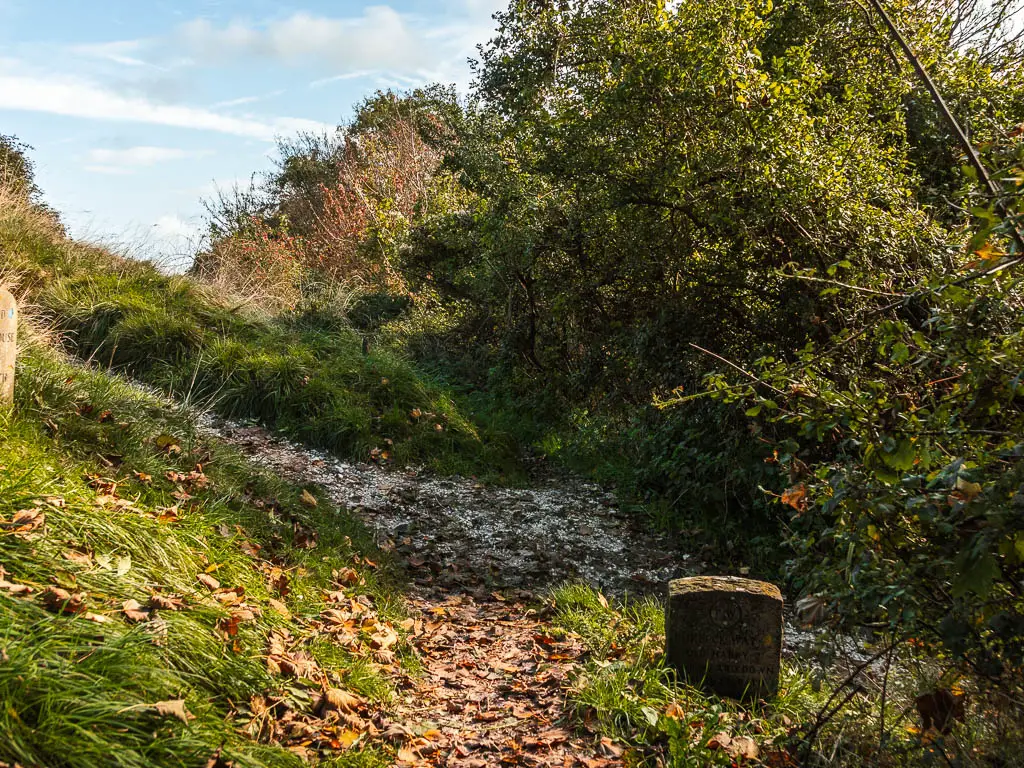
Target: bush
[(17, 172), (907, 469)]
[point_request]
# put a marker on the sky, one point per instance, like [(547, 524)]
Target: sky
[(137, 110)]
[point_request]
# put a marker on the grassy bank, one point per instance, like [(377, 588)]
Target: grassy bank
[(162, 602), (304, 372)]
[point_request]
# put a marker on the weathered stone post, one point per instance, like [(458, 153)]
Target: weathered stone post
[(725, 634), (8, 345)]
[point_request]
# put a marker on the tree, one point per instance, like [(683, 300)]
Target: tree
[(17, 172), (904, 453), (641, 173)]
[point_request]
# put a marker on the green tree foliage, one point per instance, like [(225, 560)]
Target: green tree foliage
[(904, 444), (639, 191), (763, 181), (908, 515), (642, 175)]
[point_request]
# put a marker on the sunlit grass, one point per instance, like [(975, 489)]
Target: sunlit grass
[(79, 689), (303, 372)]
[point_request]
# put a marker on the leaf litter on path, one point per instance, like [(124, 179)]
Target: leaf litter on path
[(493, 686), (561, 528)]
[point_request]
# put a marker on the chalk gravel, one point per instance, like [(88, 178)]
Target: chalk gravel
[(559, 529), (475, 536)]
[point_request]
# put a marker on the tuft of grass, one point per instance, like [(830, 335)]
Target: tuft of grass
[(303, 371), (626, 692), (96, 456)]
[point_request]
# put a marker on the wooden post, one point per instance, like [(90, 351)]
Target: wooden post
[(8, 345)]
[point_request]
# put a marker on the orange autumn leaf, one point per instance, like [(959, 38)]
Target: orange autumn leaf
[(796, 497)]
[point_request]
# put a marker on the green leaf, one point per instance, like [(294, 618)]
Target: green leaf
[(900, 352), (975, 574), (901, 457)]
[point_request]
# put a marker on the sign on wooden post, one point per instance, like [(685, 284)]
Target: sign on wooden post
[(8, 345)]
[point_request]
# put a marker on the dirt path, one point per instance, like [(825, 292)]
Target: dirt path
[(492, 691), (467, 534)]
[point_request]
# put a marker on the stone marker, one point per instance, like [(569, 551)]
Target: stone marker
[(725, 633), (8, 345)]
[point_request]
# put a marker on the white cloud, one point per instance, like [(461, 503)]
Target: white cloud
[(358, 74), (380, 39), (141, 156), (245, 100), (117, 51), (77, 98)]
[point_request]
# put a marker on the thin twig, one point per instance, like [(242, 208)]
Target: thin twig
[(885, 691), (746, 373), (842, 285), (954, 124), (827, 712)]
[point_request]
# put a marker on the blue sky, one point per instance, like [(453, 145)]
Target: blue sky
[(138, 110)]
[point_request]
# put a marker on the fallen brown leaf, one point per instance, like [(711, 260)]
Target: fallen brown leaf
[(166, 602), (14, 589), (407, 757), (339, 700), (280, 607), (57, 599), (73, 555), (398, 733), (720, 741), (133, 611), (208, 581), (24, 522), (168, 514), (743, 748), (347, 576), (383, 639)]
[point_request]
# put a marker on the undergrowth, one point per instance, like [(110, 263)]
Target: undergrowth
[(145, 577), (627, 693)]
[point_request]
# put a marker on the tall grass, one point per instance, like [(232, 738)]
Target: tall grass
[(78, 687), (626, 691)]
